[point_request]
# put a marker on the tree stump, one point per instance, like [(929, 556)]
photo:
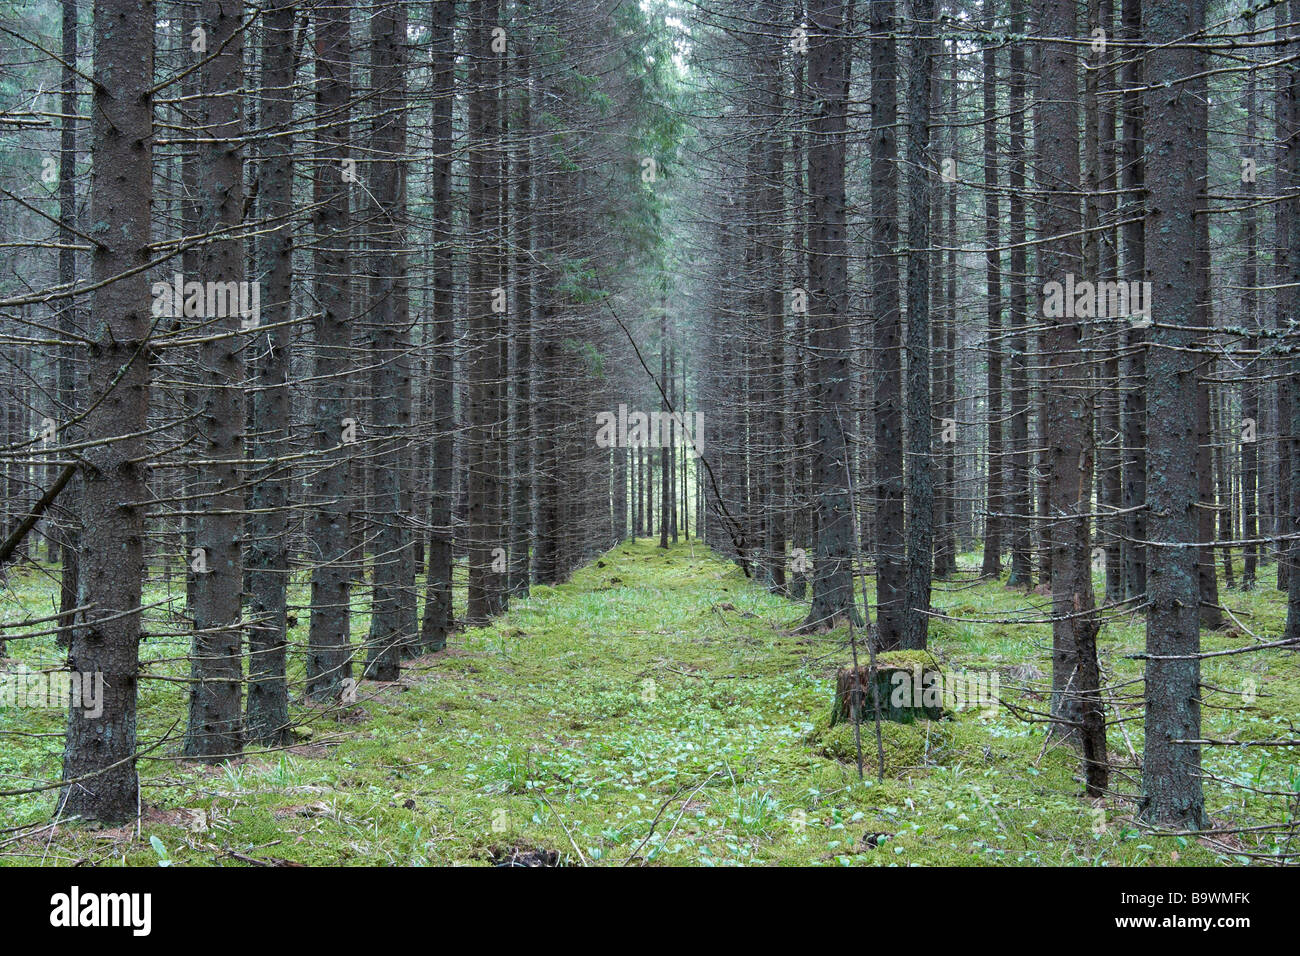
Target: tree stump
[(909, 689)]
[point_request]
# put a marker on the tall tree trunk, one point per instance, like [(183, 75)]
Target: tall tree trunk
[(1110, 486), (634, 467), (389, 320), (920, 479), (671, 386), (266, 710), (772, 203), (329, 652), (546, 450), (940, 553), (1250, 425), (891, 556), (1076, 695), (521, 360), (801, 530), (502, 320), (99, 752), (993, 266), (1223, 494), (437, 607), (215, 729), (486, 299), (1206, 570), (1134, 366), (828, 74), (1291, 213), (946, 542), (665, 493), (67, 383), (1171, 783), (1020, 499), (1286, 494)]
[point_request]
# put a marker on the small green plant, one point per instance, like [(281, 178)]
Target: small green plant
[(164, 859)]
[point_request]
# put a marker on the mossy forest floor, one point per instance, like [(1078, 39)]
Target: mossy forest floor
[(657, 708)]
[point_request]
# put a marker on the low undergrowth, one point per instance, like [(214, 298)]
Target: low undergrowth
[(660, 708)]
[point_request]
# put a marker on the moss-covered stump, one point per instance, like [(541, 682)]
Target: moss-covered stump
[(909, 685)]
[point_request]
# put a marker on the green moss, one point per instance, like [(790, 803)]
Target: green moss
[(913, 745), (661, 681)]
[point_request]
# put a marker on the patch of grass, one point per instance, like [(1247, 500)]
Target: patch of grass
[(659, 706)]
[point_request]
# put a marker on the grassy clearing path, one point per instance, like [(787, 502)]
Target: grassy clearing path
[(656, 709)]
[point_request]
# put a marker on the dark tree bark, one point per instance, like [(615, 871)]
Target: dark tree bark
[(1250, 411), (99, 752), (1133, 368), (665, 493), (329, 653), (1284, 300), (389, 320), (944, 356), (438, 608), (993, 267), (920, 479), (634, 469), (546, 450), (1102, 185), (671, 387), (67, 383), (772, 204), (802, 519), (891, 550), (1206, 515), (941, 556), (215, 729), (502, 321), (521, 360), (828, 75), (266, 710), (1020, 499), (1171, 783), (486, 293), (1291, 212), (1223, 493), (1076, 696), (891, 557)]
